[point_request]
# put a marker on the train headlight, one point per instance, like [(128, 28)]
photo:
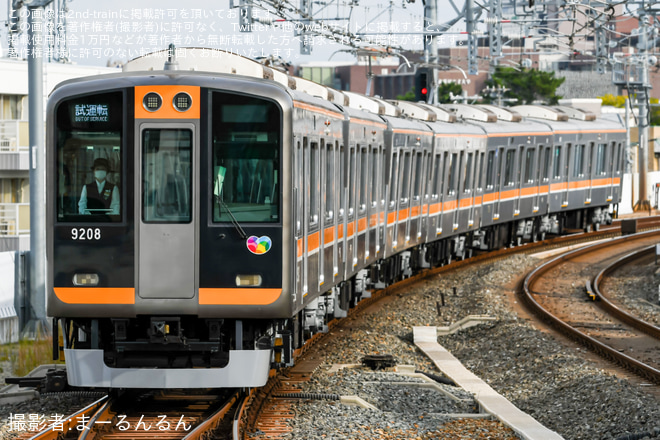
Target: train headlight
[(152, 101), (248, 280), (85, 279), (182, 101)]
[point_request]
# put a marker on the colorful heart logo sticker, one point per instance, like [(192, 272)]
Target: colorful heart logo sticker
[(259, 245)]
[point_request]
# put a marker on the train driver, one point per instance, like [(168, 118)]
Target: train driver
[(100, 196)]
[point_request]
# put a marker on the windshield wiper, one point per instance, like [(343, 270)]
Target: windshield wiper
[(234, 222)]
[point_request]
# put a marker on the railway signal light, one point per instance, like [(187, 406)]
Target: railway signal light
[(422, 84)]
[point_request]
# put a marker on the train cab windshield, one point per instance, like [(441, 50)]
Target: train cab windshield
[(89, 146), (246, 149)]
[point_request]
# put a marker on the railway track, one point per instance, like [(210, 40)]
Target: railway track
[(561, 292), (148, 415), (260, 411), (275, 408)]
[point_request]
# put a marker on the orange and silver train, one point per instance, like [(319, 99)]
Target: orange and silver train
[(201, 224)]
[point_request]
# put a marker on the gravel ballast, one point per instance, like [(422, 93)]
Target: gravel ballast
[(552, 380)]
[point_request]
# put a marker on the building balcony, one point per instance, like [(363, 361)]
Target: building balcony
[(14, 145), (14, 226)]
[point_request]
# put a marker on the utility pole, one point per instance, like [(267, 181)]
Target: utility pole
[(495, 33), (431, 48), (642, 203), (37, 325), (471, 37)]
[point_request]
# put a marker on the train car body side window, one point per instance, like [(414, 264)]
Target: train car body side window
[(529, 165), (453, 164), (490, 167), (364, 179), (557, 162), (508, 167), (601, 156)]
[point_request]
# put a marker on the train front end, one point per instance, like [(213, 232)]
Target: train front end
[(166, 239)]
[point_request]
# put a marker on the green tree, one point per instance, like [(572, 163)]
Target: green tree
[(526, 85), (443, 93), (445, 89), (409, 96)]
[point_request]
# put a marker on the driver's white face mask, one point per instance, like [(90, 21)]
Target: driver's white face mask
[(100, 175)]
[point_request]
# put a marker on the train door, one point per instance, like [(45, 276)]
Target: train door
[(426, 194), (435, 210), (539, 176), (415, 197), (404, 198), (590, 161), (325, 152), (452, 169), (393, 202), (329, 229), (374, 215), (351, 233), (498, 182), (567, 174), (301, 255), (382, 197), (166, 210), (341, 212), (306, 217), (314, 243), (473, 164), (362, 220), (519, 177), (612, 171)]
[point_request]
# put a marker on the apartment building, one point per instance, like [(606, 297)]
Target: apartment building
[(14, 143)]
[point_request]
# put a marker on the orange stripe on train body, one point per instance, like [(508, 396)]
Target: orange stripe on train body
[(329, 235), (315, 109), (435, 208), (371, 123), (313, 242), (530, 191), (362, 224), (167, 110), (95, 295), (350, 229), (237, 296), (465, 203)]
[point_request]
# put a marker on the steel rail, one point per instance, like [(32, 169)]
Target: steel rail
[(204, 429), (256, 400), (55, 431), (604, 350)]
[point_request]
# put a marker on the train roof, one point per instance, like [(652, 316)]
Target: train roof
[(407, 124), (457, 128), (215, 65), (355, 113)]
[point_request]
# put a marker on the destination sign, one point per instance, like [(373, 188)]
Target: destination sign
[(91, 113)]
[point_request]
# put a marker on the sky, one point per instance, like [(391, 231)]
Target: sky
[(120, 30)]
